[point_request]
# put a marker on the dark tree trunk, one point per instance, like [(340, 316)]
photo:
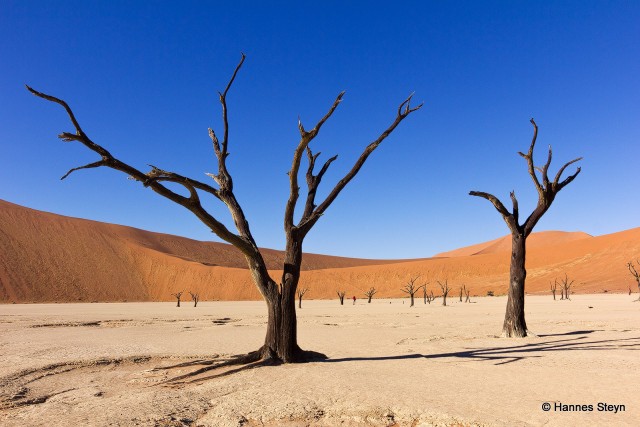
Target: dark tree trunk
[(514, 323), (281, 341), (411, 296), (369, 300)]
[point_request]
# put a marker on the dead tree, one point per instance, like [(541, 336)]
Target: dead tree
[(566, 286), (370, 293), (554, 286), (636, 275), (195, 298), (445, 291), (177, 295), (429, 298), (341, 295), (301, 293), (425, 296), (411, 289), (461, 292), (514, 321), (280, 343), (467, 293)]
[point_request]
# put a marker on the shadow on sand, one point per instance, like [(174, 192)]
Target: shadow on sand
[(509, 354)]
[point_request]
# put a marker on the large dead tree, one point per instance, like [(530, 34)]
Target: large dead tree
[(411, 289), (554, 287), (370, 293), (514, 321), (636, 275), (280, 343), (341, 295)]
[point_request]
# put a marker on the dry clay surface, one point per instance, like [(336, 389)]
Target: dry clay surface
[(389, 364)]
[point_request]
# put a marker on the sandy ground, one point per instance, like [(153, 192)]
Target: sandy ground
[(93, 364)]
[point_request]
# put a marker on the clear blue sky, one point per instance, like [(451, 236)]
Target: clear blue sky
[(142, 78)]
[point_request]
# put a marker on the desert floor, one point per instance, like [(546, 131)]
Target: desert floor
[(389, 364)]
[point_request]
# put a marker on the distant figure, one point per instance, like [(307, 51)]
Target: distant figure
[(354, 300)]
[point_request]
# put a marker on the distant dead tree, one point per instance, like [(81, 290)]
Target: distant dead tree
[(425, 295), (411, 289), (461, 292), (554, 286), (514, 321), (370, 293), (195, 298), (177, 295), (635, 274), (467, 293), (445, 290), (341, 295), (566, 287), (301, 293), (280, 342)]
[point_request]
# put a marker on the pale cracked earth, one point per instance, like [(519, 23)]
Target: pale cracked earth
[(389, 364)]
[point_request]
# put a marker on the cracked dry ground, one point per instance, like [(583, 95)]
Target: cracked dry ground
[(390, 365)]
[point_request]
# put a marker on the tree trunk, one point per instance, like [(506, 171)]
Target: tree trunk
[(281, 339), (369, 300), (514, 323), (411, 301)]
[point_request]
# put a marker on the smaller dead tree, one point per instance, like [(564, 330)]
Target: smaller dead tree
[(411, 289), (554, 286), (461, 292), (341, 295), (445, 290), (425, 296), (635, 274), (430, 297), (177, 295), (566, 287), (467, 293), (301, 293), (370, 293), (195, 298)]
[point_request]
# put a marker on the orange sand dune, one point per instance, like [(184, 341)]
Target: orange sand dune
[(48, 257), (503, 244)]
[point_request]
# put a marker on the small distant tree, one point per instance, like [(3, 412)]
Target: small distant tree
[(177, 295), (370, 293), (490, 293), (514, 322), (411, 289), (341, 295), (461, 292), (195, 298), (566, 286), (425, 295), (467, 293), (635, 274), (554, 286), (445, 290), (301, 293)]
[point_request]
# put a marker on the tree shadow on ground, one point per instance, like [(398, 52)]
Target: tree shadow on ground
[(509, 354)]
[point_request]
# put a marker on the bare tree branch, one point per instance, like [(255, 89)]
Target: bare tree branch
[(403, 111)]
